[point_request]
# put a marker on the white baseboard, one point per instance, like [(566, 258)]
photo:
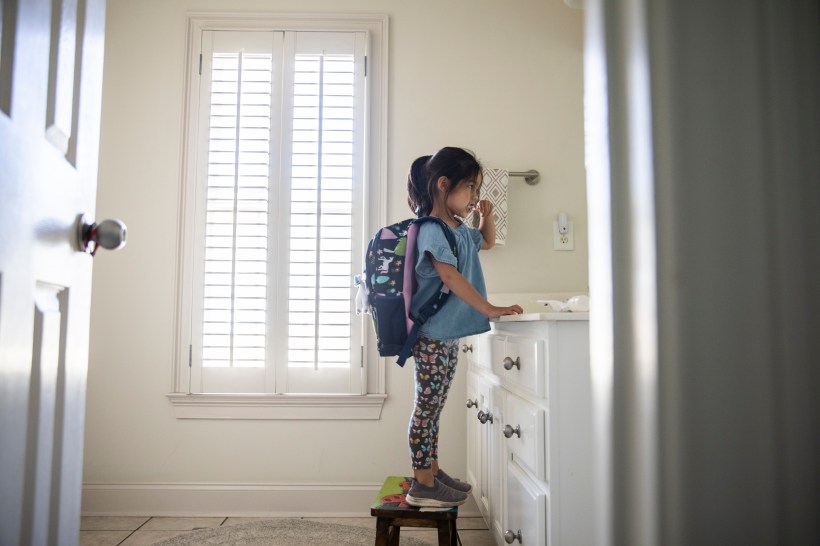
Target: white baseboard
[(234, 500)]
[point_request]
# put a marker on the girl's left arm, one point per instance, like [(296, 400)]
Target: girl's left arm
[(462, 288), (486, 223)]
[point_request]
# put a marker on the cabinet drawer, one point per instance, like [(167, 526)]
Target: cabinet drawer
[(526, 509), (524, 432), (526, 360)]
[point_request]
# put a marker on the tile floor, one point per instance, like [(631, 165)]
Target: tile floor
[(142, 531)]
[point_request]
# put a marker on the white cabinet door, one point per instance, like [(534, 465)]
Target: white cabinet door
[(526, 513), (473, 433), (523, 431), (485, 420), (495, 460)]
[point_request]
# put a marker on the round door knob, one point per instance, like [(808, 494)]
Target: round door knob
[(510, 537), (472, 403), (466, 348), (484, 417), (509, 431), (509, 363), (108, 234)]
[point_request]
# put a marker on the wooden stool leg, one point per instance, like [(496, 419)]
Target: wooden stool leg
[(382, 530), (444, 533), (395, 535), (453, 533)]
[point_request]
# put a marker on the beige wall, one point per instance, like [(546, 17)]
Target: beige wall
[(501, 78)]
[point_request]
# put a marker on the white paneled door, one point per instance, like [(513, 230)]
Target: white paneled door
[(51, 54)]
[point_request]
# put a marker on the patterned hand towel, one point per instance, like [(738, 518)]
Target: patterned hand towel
[(494, 188)]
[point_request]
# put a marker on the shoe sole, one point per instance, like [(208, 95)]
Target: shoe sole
[(432, 503)]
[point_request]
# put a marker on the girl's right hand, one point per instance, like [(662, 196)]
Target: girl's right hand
[(485, 208), (493, 311)]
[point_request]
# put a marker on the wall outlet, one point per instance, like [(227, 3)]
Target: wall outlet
[(563, 241)]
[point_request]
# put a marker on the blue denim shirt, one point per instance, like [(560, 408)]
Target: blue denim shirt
[(456, 319)]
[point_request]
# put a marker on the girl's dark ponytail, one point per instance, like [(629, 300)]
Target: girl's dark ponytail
[(418, 192)]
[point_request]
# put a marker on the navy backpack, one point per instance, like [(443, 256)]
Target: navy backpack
[(389, 275)]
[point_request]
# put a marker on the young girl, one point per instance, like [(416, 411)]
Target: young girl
[(445, 185)]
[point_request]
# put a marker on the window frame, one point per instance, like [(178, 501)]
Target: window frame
[(368, 404)]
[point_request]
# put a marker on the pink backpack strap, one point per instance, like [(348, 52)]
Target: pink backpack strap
[(410, 271)]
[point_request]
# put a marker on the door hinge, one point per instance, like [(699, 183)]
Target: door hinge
[(190, 356), (361, 356), (200, 64), (365, 66)]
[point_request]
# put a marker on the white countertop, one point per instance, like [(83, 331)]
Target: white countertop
[(533, 310), (529, 317)]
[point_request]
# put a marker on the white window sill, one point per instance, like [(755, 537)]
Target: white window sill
[(277, 406)]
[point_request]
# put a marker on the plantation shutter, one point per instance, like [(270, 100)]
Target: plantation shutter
[(324, 92), (282, 175)]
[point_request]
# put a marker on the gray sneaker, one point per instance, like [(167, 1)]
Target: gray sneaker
[(453, 483), (438, 496)]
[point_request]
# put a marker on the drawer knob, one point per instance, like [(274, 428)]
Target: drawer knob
[(472, 403), (466, 348), (509, 431), (509, 363), (485, 416), (510, 537)]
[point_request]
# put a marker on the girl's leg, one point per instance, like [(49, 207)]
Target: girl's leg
[(452, 359), (449, 360), (430, 377), (431, 385)]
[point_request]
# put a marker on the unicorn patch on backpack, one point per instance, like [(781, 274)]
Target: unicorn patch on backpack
[(385, 266)]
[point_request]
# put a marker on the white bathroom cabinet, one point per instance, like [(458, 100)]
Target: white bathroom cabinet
[(529, 429)]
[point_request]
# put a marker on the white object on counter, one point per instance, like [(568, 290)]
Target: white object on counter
[(554, 305), (576, 304)]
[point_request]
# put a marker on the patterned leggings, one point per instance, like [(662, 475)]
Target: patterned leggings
[(435, 368)]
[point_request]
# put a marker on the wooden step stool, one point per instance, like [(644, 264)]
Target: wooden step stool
[(393, 513)]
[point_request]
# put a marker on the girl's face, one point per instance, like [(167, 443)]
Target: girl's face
[(464, 197)]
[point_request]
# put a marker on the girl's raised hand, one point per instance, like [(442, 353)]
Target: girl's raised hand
[(484, 207)]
